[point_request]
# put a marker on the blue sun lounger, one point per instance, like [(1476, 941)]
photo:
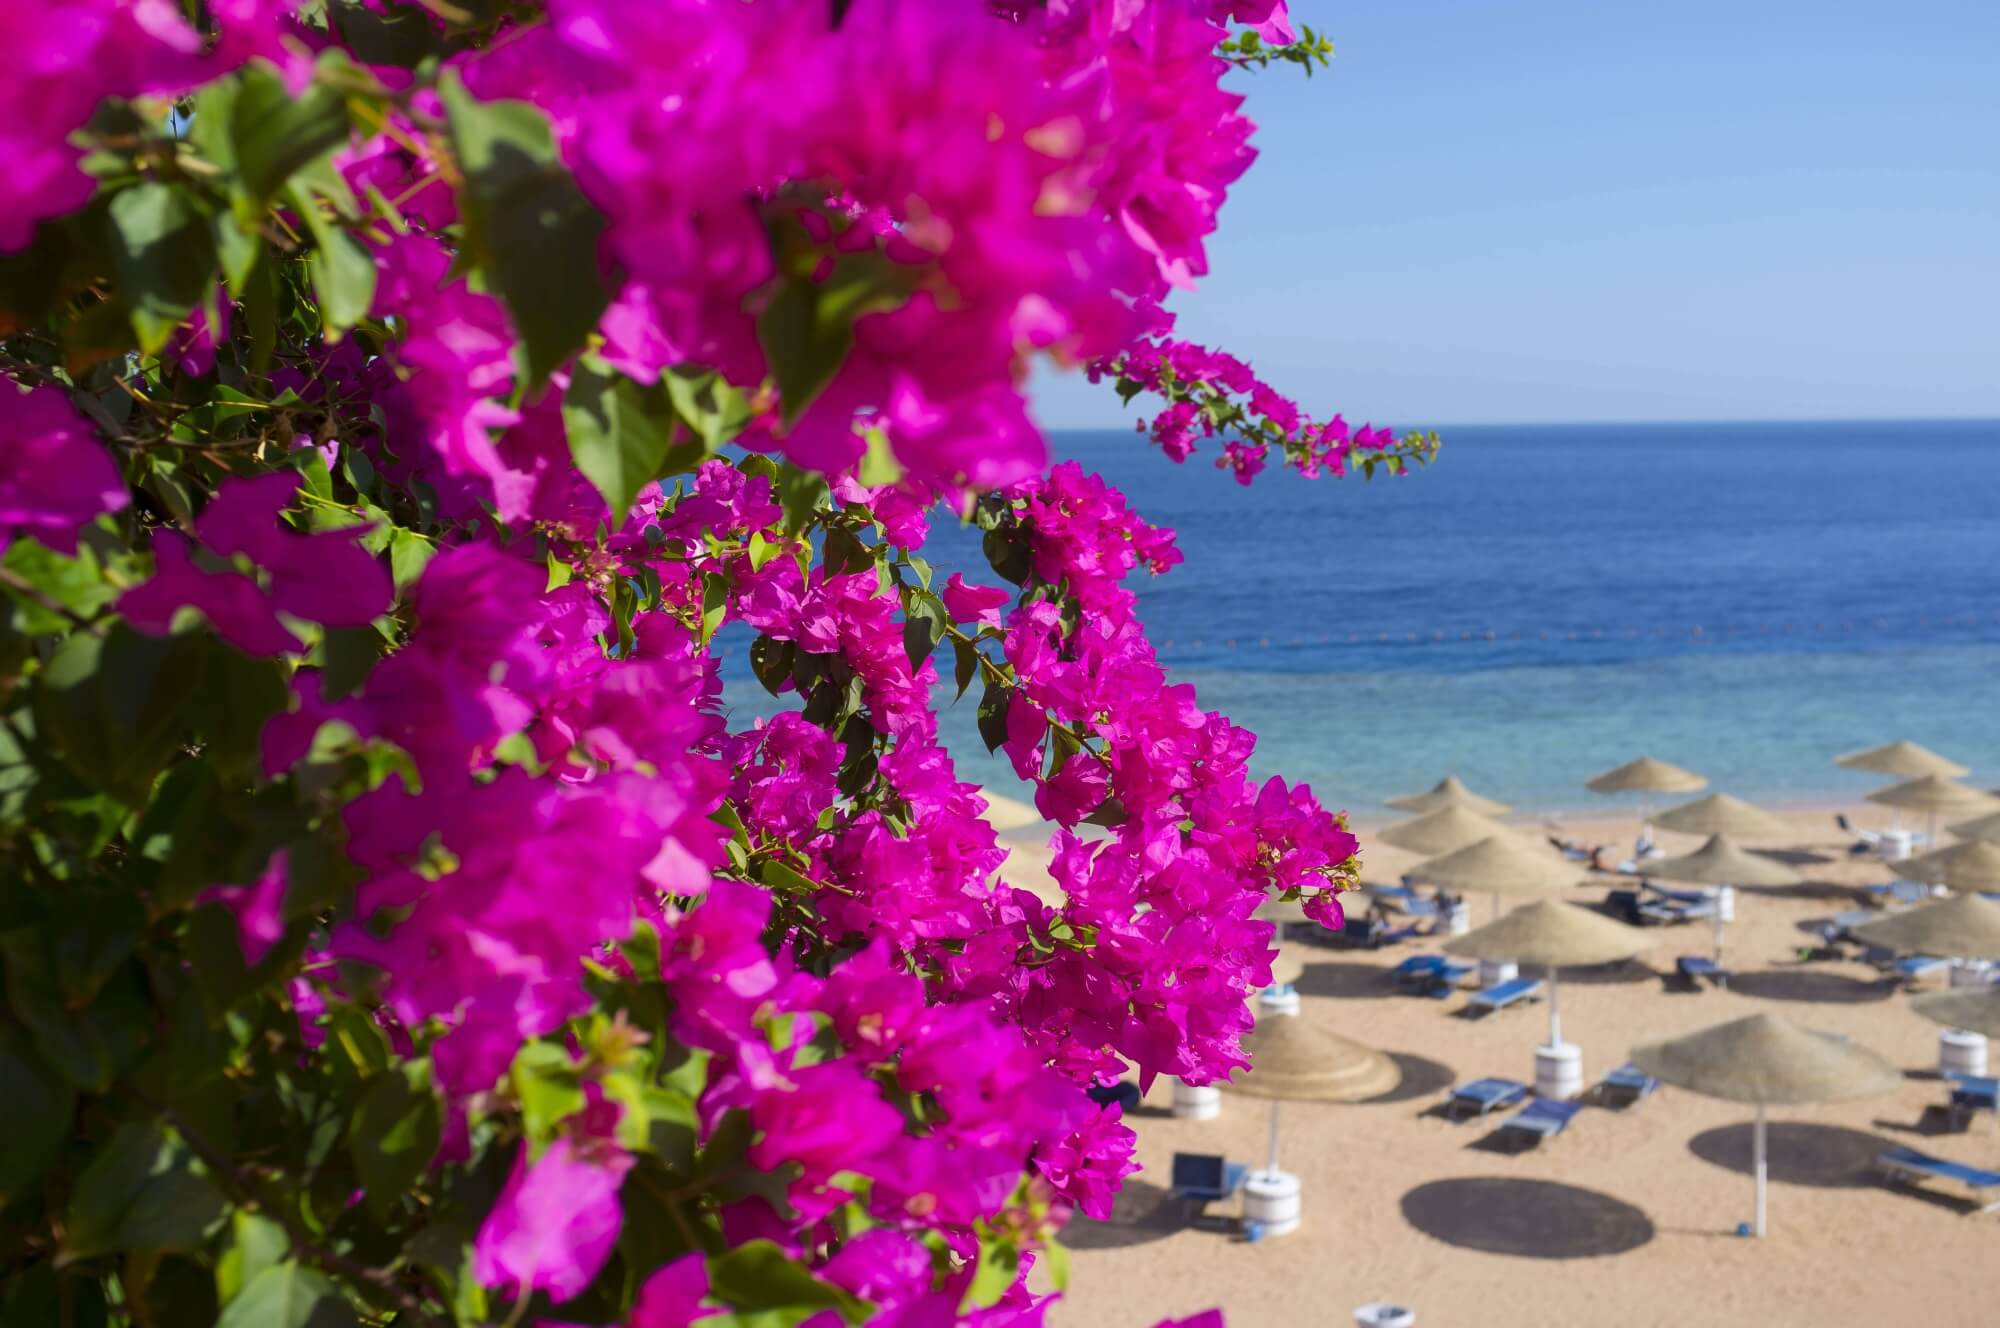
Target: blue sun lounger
[(1405, 899), (1204, 1178), (1627, 1084), (1430, 975), (1696, 967), (1915, 968), (1909, 1166), (1900, 892), (1970, 1093), (1483, 1095), (1372, 934), (1673, 906), (1541, 1119), (1504, 994)]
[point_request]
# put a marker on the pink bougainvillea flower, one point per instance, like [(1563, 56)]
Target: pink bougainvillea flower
[(54, 475), (259, 909), (230, 601), (326, 578), (672, 1296), (968, 603), (555, 1221)]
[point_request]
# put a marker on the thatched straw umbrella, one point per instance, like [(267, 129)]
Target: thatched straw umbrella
[(1975, 1011), (1979, 827), (1646, 777), (1771, 1062), (1502, 864), (1973, 865), (1292, 1060), (1443, 831), (1962, 927), (1448, 792), (1903, 759), (1936, 796), (1554, 935), (1721, 862), (1722, 814)]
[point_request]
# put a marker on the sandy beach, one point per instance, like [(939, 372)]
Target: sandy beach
[(1628, 1217)]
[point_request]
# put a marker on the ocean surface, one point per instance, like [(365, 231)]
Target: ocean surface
[(1544, 602)]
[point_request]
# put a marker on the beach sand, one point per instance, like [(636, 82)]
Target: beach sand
[(1629, 1217)]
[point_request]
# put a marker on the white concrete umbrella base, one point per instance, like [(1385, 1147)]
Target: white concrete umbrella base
[(1197, 1103), (1559, 1071), (1271, 1203), (1961, 1051)]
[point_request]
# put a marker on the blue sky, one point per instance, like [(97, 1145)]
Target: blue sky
[(1538, 210)]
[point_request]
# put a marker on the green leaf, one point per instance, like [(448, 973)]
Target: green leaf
[(347, 654), (967, 664), (394, 1138), (89, 1043), (260, 296), (1055, 1258), (999, 1265), (527, 224), (343, 272), (799, 492), (707, 403), (112, 706), (619, 432), (770, 1291), (95, 930), (237, 697), (163, 254), (993, 715), (77, 583), (772, 662), (274, 135), (548, 1086), (878, 464), (401, 35), (287, 1295), (409, 554), (36, 1105), (807, 328), (256, 1243), (140, 1193), (714, 605)]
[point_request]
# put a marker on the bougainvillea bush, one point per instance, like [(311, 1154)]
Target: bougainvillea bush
[(396, 401)]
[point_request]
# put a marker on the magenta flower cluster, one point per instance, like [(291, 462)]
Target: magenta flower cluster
[(814, 898)]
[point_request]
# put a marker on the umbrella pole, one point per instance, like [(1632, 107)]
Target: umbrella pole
[(1555, 1013), (1271, 1158), (1760, 1170), (1718, 927)]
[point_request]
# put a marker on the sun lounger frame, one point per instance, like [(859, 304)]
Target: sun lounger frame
[(1908, 1166)]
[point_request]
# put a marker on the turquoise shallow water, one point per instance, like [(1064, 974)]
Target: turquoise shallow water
[(1745, 600)]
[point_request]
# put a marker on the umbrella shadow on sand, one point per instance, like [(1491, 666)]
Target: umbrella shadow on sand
[(1345, 980), (1529, 1219), (1421, 1078), (1801, 1153), (1142, 1213), (1603, 975), (1804, 984)]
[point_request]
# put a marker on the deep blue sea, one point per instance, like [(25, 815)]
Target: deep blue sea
[(1543, 602)]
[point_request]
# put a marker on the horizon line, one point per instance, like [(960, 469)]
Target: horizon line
[(1626, 423)]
